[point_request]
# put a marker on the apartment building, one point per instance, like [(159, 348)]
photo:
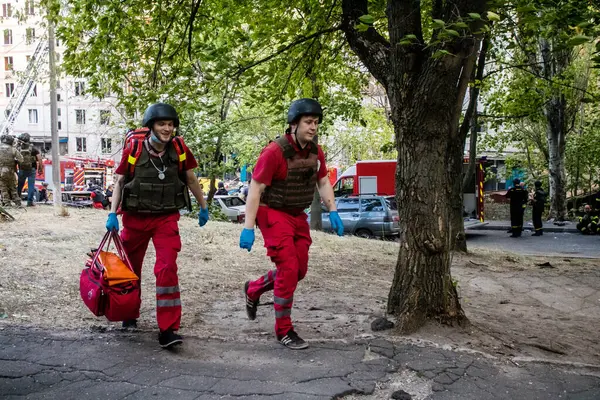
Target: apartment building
[(88, 127)]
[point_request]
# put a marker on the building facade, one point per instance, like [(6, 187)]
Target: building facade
[(87, 127)]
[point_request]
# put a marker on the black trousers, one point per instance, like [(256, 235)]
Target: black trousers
[(516, 220), (536, 216)]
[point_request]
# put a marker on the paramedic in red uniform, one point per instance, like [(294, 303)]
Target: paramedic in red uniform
[(151, 200), (283, 185)]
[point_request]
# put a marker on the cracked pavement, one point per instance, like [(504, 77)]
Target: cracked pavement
[(38, 364)]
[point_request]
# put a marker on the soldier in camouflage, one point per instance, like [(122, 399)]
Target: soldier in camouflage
[(9, 156)]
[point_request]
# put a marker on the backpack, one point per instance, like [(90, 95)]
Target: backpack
[(28, 158), (134, 140)]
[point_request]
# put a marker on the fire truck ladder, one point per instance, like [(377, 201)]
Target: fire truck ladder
[(24, 86)]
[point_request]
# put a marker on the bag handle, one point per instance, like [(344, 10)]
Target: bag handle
[(121, 249), (100, 247), (108, 237)]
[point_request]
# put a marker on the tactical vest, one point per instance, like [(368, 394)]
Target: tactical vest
[(540, 198), (296, 191), (145, 192), (28, 159), (7, 156)]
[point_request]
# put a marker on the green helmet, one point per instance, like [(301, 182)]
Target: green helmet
[(301, 107), (160, 112), (7, 139), (25, 137)]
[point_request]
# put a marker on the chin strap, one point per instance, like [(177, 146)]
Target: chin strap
[(155, 138), (296, 138)]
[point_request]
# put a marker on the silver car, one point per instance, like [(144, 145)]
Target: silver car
[(366, 216), (232, 206)]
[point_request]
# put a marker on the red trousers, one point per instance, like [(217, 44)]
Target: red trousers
[(137, 231), (287, 239)]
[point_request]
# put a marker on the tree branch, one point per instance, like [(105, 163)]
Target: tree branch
[(474, 92), (372, 48), (299, 40), (191, 24)]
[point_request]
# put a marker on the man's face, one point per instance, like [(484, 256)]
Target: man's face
[(164, 129), (307, 128), (587, 208)]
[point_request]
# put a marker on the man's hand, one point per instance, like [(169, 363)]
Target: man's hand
[(112, 223), (247, 239), (203, 216), (336, 223)]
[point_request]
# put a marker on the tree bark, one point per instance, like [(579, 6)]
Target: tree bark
[(554, 64), (316, 219), (425, 96)]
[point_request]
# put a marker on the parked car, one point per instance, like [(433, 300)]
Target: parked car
[(366, 216), (232, 206)]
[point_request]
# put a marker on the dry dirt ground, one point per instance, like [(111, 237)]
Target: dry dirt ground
[(517, 309)]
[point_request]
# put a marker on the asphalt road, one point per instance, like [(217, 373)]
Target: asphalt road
[(562, 244)]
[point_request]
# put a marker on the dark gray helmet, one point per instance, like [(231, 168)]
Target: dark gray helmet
[(25, 137), (516, 181), (538, 184), (7, 139), (160, 112), (302, 107)]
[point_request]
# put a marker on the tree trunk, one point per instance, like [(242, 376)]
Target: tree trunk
[(458, 239), (555, 111), (554, 63), (429, 156), (461, 179), (316, 219), (426, 95)]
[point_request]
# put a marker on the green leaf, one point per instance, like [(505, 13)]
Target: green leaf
[(362, 27), (584, 24), (578, 40), (405, 42), (367, 19), (492, 16), (410, 37), (441, 53), (460, 25), (452, 32), (474, 15), (438, 23)]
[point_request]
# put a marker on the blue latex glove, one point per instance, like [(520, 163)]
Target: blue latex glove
[(247, 239), (203, 216), (336, 223), (112, 223)]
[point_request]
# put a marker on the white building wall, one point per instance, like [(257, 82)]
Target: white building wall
[(93, 131)]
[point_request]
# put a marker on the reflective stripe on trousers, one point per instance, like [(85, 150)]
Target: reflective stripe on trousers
[(137, 231), (287, 239)]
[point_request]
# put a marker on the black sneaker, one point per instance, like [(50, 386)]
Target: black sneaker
[(292, 341), (251, 305), (168, 338), (130, 324)]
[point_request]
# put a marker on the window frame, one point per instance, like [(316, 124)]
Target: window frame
[(106, 145), (81, 144), (33, 112), (80, 116), (8, 36)]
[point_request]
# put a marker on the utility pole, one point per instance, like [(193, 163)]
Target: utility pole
[(57, 195)]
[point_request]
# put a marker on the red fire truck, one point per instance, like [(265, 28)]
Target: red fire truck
[(76, 172), (378, 177)]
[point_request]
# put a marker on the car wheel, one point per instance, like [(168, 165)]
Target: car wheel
[(364, 233)]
